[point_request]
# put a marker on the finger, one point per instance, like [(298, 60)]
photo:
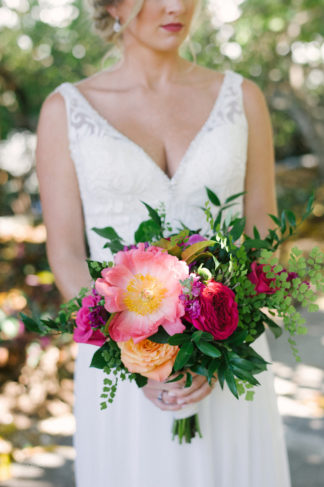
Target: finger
[(153, 384), (167, 407), (152, 395), (185, 391), (197, 395)]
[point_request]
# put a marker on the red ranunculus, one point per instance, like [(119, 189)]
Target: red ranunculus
[(260, 280), (218, 311)]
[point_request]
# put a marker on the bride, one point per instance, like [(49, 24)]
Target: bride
[(157, 128)]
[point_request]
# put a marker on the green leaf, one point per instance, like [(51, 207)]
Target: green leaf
[(230, 381), (249, 395), (275, 219), (140, 380), (256, 244), (245, 375), (238, 229), (107, 232), (274, 328), (175, 379), (213, 367), (234, 196), (98, 361), (95, 268), (199, 369), (31, 324), (54, 325), (147, 231), (212, 197), (178, 339), (238, 337), (291, 218), (196, 336), (114, 245), (209, 349), (309, 207), (255, 357), (283, 222), (153, 214), (256, 233), (207, 337), (312, 308), (221, 373), (161, 336), (200, 335), (240, 362), (183, 356), (188, 382)]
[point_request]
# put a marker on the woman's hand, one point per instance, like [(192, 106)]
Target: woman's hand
[(175, 395)]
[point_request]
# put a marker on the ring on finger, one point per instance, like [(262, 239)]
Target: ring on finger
[(160, 396)]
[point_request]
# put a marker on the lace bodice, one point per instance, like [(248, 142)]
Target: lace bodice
[(115, 174)]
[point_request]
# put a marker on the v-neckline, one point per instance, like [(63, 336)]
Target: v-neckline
[(193, 141)]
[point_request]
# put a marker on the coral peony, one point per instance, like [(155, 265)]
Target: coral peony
[(143, 290), (261, 282), (152, 360), (89, 317), (218, 311)]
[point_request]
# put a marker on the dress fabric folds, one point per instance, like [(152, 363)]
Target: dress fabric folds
[(129, 444)]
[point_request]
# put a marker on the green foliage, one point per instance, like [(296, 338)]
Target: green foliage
[(96, 267), (63, 323), (161, 336), (107, 358), (184, 355), (115, 242), (147, 231)]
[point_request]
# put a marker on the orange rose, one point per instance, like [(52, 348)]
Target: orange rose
[(152, 360)]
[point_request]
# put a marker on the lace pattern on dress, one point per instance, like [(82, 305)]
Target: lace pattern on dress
[(115, 174)]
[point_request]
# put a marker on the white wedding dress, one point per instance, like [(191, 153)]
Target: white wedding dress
[(129, 444)]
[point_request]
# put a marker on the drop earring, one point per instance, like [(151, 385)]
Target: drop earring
[(117, 25)]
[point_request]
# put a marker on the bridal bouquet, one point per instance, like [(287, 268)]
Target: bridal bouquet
[(174, 304)]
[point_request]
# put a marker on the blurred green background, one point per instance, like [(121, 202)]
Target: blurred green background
[(279, 45)]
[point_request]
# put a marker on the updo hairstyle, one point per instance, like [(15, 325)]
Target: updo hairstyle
[(104, 22)]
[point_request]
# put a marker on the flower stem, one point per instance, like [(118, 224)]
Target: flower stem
[(186, 428)]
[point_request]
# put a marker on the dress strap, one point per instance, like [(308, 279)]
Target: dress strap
[(233, 107), (80, 119)]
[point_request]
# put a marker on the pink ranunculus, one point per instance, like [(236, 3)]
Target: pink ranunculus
[(85, 332), (261, 282), (143, 290), (218, 311)]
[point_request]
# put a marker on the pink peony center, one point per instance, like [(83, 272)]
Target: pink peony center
[(144, 294)]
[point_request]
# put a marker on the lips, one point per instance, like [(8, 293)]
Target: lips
[(173, 27)]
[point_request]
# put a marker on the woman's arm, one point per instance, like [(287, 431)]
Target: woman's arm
[(60, 198), (260, 199)]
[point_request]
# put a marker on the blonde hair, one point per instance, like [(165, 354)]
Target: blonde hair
[(104, 23)]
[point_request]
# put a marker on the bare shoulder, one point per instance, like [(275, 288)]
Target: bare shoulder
[(53, 109), (52, 131), (255, 103)]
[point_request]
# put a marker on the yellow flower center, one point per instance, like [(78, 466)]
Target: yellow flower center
[(144, 294)]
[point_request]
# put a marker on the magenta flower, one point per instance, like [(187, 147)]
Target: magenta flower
[(218, 311), (90, 317), (261, 282)]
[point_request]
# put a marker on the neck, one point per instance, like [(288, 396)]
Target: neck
[(152, 69)]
